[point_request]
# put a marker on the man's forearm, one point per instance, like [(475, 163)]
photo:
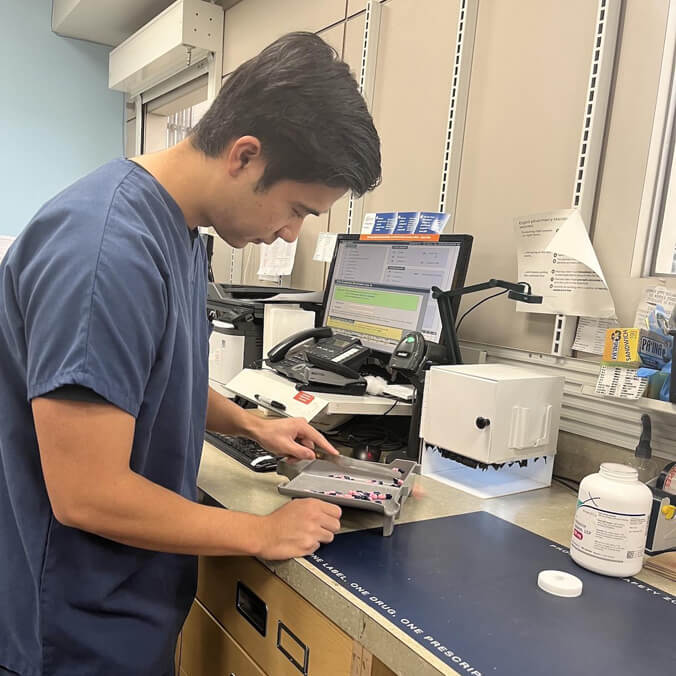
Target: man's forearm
[(137, 512), (227, 418)]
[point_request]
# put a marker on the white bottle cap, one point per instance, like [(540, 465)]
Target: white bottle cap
[(559, 583)]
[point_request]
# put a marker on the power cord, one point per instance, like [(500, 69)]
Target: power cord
[(571, 484), (369, 432), (476, 305), (396, 401)]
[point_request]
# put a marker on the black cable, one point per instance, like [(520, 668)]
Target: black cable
[(396, 401), (566, 478), (476, 305), (370, 432), (565, 483)]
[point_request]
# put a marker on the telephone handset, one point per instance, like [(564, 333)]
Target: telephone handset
[(332, 352), (330, 364), (279, 351)]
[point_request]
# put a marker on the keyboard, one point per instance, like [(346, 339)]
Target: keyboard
[(248, 452)]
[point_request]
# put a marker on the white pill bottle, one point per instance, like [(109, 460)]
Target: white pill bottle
[(611, 521)]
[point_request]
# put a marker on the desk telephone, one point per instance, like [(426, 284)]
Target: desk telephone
[(331, 364)]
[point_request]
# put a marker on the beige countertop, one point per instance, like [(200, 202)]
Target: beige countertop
[(546, 512)]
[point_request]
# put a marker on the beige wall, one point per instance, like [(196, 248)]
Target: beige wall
[(410, 102), (624, 167), (526, 99), (252, 24), (524, 118)]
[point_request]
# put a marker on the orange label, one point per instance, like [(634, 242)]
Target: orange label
[(304, 397), (425, 237)]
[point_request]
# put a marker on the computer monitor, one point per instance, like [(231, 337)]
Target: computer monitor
[(378, 290)]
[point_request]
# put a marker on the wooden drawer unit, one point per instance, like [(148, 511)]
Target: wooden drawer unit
[(207, 650), (284, 633)]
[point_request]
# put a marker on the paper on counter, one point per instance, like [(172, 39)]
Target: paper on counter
[(326, 243), (277, 258), (590, 334), (5, 243), (250, 382), (616, 381), (557, 259), (653, 296)]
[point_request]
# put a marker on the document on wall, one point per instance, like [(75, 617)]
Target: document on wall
[(5, 243), (326, 243), (590, 334), (277, 258), (616, 381), (652, 297), (556, 257)]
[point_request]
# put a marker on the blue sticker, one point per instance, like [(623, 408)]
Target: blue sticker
[(384, 223), (431, 222), (406, 222)]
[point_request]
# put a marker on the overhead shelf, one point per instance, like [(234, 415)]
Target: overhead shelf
[(183, 34), (107, 23)]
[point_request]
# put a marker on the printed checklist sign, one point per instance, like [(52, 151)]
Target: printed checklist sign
[(556, 257), (465, 588)]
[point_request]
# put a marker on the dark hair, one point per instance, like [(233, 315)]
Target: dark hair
[(301, 101)]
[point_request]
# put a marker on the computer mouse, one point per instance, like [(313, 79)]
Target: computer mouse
[(366, 452)]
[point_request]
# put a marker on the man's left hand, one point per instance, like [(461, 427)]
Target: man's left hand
[(292, 437)]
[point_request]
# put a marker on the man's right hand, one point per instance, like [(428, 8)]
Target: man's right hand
[(298, 528)]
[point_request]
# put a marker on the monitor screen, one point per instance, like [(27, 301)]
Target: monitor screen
[(378, 290)]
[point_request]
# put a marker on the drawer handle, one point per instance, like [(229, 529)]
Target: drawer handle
[(281, 627), (252, 608)]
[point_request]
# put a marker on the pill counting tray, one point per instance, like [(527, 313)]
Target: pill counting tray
[(353, 483)]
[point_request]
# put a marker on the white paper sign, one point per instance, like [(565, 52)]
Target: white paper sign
[(653, 296), (556, 258), (326, 243), (590, 334), (277, 258), (615, 381)]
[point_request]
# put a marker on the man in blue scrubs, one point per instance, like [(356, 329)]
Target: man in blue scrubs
[(103, 369)]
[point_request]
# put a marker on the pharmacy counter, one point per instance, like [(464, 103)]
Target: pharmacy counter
[(341, 582)]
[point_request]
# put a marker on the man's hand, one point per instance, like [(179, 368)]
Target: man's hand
[(298, 528), (293, 437)]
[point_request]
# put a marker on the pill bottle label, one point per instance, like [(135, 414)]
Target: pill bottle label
[(609, 536)]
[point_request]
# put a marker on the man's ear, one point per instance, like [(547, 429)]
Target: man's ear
[(242, 152)]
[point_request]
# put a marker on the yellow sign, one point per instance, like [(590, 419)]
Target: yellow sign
[(375, 330)]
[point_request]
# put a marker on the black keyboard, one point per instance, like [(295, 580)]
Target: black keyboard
[(248, 452)]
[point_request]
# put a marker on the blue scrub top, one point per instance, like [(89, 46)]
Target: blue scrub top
[(105, 289)]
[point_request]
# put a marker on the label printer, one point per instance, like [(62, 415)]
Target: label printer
[(236, 313)]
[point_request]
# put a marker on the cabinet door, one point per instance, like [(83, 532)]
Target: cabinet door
[(208, 650), (270, 620)]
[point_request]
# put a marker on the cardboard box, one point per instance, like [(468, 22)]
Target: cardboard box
[(633, 348)]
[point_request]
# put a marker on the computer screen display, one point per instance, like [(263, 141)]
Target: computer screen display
[(379, 290)]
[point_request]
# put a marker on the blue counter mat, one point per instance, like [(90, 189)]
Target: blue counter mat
[(469, 582)]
